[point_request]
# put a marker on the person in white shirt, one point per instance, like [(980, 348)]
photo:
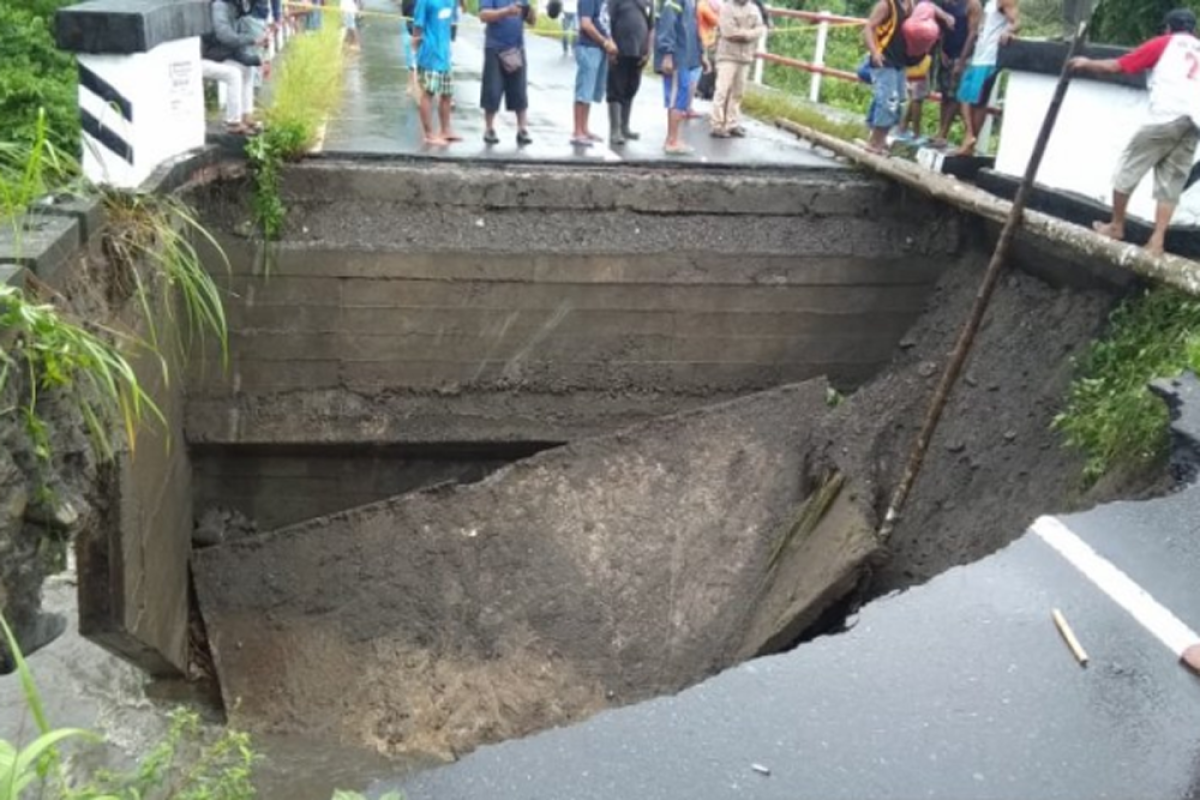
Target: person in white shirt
[(350, 11), (1167, 142)]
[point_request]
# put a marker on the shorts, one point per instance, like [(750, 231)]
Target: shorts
[(918, 89), (1169, 149), (677, 89), (946, 80), (438, 84), (350, 20), (499, 85), (976, 85), (591, 74), (887, 97)]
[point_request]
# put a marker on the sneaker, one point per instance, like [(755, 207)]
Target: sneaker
[(738, 131), (490, 137), (523, 138), (717, 133)]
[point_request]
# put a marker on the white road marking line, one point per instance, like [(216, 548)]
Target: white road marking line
[(1152, 615)]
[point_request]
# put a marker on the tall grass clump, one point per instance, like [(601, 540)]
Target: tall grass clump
[(158, 231), (57, 354), (771, 105), (31, 169), (1110, 414), (307, 83), (305, 91)]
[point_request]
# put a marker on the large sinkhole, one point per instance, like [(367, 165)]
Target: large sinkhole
[(497, 449)]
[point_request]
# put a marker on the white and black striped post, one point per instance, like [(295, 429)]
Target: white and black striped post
[(141, 96)]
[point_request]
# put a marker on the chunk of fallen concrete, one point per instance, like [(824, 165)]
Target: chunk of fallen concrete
[(608, 571)]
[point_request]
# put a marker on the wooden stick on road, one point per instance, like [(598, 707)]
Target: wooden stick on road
[(1068, 635)]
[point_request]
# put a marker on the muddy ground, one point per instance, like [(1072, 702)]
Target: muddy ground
[(995, 464)]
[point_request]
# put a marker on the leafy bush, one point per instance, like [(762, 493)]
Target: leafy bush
[(36, 75), (1110, 414)]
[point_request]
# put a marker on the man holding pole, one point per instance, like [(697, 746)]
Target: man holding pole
[(1167, 142)]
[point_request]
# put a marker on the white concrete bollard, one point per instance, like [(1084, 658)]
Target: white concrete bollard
[(141, 94)]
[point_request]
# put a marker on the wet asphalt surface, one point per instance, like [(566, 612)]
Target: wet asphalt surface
[(378, 118), (962, 688)]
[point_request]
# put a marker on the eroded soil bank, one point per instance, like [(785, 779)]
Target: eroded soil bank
[(637, 563)]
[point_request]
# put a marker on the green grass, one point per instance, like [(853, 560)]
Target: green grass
[(157, 232), (57, 354), (305, 91), (769, 106), (31, 169), (1110, 415), (307, 86)]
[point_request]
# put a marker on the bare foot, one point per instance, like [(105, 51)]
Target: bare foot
[(1109, 230), (1191, 657), (967, 148), (435, 141), (1154, 247), (451, 136)]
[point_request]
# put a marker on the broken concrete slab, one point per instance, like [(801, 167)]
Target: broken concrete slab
[(592, 575)]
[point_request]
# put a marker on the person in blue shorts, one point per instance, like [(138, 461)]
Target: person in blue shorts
[(592, 53), (1001, 21), (431, 36), (677, 55)]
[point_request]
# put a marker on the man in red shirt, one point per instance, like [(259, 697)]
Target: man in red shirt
[(1168, 141)]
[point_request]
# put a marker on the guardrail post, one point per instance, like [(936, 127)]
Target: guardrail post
[(758, 62), (814, 86), (984, 141)]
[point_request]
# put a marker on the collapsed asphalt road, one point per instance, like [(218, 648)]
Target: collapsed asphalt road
[(961, 688)]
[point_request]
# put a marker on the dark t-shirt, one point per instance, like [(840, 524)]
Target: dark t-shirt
[(508, 32), (598, 11), (954, 39), (895, 55), (631, 25)]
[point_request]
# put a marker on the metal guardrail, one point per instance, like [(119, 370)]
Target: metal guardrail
[(824, 20)]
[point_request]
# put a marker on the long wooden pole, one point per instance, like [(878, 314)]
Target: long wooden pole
[(1174, 271), (983, 297)]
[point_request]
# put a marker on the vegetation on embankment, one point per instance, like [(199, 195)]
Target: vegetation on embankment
[(36, 75), (305, 91), (1110, 414), (190, 761)]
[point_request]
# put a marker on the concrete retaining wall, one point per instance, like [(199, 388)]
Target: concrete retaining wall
[(277, 487), (442, 304)]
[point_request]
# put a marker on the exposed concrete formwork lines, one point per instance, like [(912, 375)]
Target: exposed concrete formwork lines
[(443, 304)]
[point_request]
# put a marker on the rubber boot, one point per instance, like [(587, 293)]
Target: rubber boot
[(626, 114), (615, 137)]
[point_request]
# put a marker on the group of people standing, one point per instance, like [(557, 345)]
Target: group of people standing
[(616, 39), (953, 45), (685, 38)]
